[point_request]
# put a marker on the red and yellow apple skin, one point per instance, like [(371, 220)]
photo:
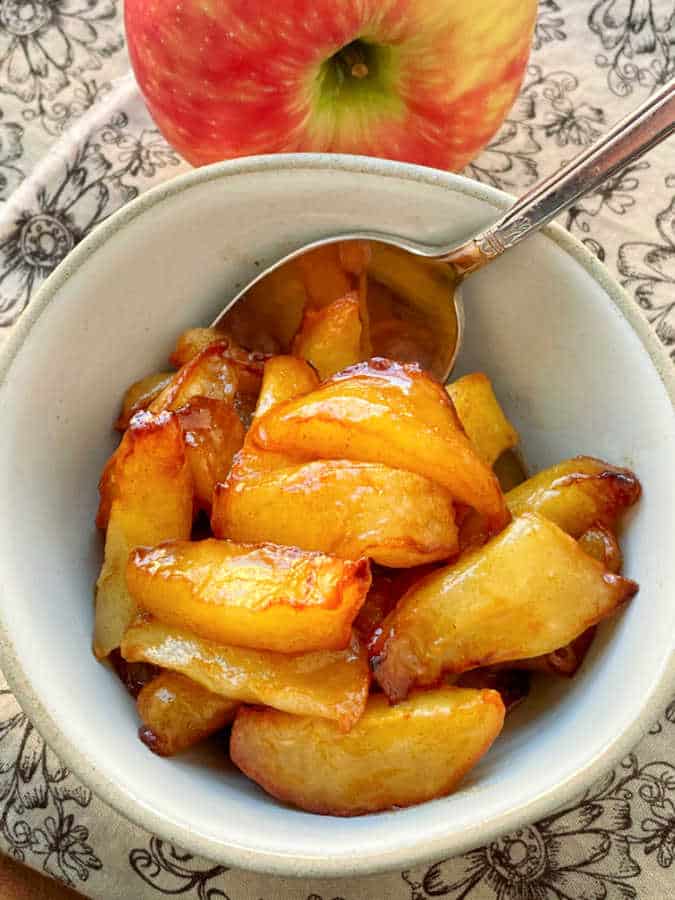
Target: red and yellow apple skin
[(425, 81)]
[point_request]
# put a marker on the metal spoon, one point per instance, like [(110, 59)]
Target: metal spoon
[(445, 267)]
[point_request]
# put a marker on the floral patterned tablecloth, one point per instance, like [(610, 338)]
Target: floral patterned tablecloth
[(64, 72)]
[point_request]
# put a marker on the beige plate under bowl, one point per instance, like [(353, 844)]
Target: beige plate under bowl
[(575, 366)]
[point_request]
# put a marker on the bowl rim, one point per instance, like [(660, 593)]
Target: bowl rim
[(422, 850)]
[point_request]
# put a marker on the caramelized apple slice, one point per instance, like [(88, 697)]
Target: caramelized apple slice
[(149, 497), (330, 684), (213, 433), (577, 493), (482, 417), (252, 595), (214, 372), (324, 276), (384, 412), (348, 509), (140, 395), (330, 338), (284, 378), (601, 544), (393, 756), (193, 341), (178, 713), (527, 592)]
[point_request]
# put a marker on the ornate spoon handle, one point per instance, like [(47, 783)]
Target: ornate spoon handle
[(642, 129)]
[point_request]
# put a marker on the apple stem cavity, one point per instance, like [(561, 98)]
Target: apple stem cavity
[(354, 57)]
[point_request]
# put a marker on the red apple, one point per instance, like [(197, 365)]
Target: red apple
[(427, 81)]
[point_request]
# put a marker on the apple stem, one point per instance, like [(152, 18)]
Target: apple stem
[(355, 59)]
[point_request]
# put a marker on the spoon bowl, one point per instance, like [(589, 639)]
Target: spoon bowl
[(435, 292)]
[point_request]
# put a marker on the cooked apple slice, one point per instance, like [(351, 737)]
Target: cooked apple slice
[(284, 378), (577, 493), (213, 433), (215, 372), (324, 276), (601, 544), (251, 595), (393, 756), (149, 496), (330, 338), (527, 592), (384, 412), (178, 713), (330, 684), (348, 509), (194, 340), (482, 417), (140, 395)]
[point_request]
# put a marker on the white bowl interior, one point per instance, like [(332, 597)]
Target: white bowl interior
[(571, 372)]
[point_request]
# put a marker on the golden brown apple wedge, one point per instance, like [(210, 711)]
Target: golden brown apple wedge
[(140, 395), (284, 378), (330, 684), (394, 756), (330, 338), (577, 494), (213, 433), (178, 713), (192, 342), (149, 498), (252, 595), (482, 417), (385, 412), (527, 592), (348, 509), (601, 544)]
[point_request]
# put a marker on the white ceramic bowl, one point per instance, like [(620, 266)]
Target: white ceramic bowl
[(575, 366)]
